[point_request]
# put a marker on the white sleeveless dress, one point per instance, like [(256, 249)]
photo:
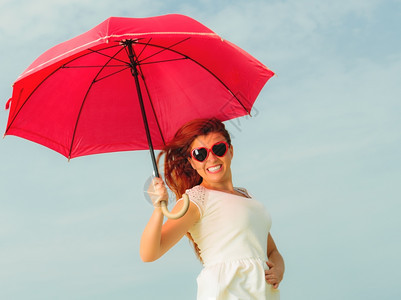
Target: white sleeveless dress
[(232, 237)]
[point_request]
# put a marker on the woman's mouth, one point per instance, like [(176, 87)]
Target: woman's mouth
[(214, 169)]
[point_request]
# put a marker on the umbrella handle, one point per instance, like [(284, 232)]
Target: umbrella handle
[(178, 214)]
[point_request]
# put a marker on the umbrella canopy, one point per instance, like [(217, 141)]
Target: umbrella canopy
[(80, 97)]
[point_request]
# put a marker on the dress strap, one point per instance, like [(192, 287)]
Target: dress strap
[(243, 191)]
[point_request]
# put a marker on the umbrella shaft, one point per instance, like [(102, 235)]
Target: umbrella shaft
[(134, 72)]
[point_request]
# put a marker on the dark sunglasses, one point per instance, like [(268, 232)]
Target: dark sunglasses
[(219, 149)]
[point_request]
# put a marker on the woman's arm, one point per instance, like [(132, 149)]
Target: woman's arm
[(276, 264), (158, 238)]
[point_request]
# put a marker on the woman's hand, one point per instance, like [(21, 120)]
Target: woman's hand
[(274, 275), (157, 191), (275, 263)]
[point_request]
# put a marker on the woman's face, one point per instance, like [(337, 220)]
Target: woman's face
[(214, 169)]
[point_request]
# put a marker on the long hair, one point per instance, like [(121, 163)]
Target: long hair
[(178, 172)]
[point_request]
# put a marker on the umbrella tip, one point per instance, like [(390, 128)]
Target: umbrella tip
[(8, 103)]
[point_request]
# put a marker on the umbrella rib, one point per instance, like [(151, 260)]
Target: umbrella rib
[(98, 66), (83, 103), (162, 48), (162, 61), (77, 121), (215, 76), (16, 114), (199, 64), (109, 56), (111, 74), (34, 90), (143, 49)]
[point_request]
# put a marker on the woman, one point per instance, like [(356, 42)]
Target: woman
[(229, 229)]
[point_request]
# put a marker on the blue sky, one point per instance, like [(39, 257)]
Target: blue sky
[(322, 152)]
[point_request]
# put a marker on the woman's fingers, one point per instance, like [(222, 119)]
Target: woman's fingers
[(271, 276), (157, 191), (273, 281)]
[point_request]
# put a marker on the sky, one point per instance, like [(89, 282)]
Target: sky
[(322, 152)]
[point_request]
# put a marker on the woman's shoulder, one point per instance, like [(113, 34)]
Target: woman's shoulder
[(197, 192), (197, 195)]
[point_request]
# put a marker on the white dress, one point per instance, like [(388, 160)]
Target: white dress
[(232, 237)]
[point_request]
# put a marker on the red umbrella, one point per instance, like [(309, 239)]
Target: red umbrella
[(129, 84)]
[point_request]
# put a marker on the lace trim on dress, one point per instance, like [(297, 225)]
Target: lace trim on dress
[(197, 195)]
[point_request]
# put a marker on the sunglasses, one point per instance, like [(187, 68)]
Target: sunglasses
[(219, 149)]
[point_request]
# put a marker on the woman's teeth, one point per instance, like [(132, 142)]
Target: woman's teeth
[(214, 169)]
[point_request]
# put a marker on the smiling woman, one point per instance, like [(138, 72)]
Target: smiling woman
[(215, 169), (228, 227)]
